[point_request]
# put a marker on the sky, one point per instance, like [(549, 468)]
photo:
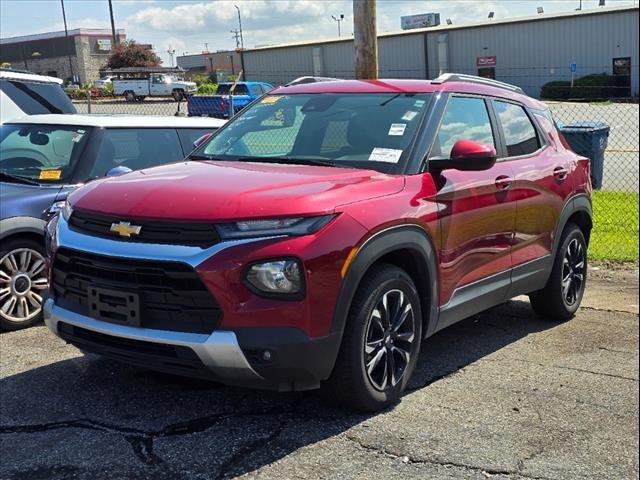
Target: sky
[(191, 26)]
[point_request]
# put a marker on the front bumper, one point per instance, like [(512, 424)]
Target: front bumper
[(235, 358)]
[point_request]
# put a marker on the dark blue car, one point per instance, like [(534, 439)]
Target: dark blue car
[(42, 159)]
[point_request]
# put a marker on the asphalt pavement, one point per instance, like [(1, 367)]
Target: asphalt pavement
[(499, 395)]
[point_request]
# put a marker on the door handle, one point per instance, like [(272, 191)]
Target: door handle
[(503, 182), (561, 173)]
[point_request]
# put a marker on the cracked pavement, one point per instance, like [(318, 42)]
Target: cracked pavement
[(499, 395)]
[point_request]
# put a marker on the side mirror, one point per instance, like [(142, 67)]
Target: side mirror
[(119, 170), (202, 139), (466, 155)]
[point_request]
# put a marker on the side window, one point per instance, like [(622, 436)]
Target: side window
[(465, 119), (519, 133), (256, 90), (136, 149)]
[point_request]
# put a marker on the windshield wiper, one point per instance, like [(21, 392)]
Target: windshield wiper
[(203, 157), (288, 160), (8, 177)]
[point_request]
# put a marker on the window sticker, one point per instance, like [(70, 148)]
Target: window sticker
[(410, 115), (419, 103), (269, 99), (397, 129), (50, 174), (388, 155)]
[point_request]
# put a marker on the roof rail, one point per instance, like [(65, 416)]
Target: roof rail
[(310, 79), (461, 77)]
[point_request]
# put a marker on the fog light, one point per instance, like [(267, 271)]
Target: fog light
[(276, 277)]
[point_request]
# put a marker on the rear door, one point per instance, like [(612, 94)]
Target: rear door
[(477, 213), (542, 183)]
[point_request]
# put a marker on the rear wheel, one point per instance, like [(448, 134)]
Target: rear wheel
[(561, 297), (23, 280), (380, 344), (129, 96)]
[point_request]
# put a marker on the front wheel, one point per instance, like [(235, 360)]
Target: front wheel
[(380, 344), (23, 280), (561, 297), (178, 95)]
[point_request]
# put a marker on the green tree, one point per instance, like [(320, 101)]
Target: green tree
[(131, 54)]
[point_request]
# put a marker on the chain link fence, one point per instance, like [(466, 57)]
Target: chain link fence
[(615, 235)]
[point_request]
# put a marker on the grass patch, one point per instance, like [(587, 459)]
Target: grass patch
[(615, 226)]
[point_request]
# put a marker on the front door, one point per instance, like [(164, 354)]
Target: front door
[(477, 212)]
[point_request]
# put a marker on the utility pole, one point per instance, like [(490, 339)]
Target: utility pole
[(114, 37), (66, 36), (365, 39), (236, 36)]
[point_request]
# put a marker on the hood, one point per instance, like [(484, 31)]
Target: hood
[(220, 191), (17, 200)]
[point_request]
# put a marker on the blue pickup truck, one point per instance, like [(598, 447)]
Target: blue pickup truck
[(219, 105)]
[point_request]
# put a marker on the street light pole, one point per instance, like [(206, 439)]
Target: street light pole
[(241, 43), (338, 19), (66, 36)]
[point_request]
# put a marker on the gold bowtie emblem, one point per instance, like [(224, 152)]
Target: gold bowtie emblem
[(125, 229)]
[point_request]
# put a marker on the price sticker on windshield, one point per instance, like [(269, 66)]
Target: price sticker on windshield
[(270, 99), (387, 155), (397, 129), (50, 174)]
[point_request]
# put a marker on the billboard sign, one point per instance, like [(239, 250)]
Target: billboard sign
[(103, 44), (420, 21), (490, 61)]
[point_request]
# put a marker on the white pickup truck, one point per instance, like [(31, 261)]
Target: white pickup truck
[(156, 85)]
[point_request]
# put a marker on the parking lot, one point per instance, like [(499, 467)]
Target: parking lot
[(499, 395)]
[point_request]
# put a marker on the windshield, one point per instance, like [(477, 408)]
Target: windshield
[(373, 131), (44, 153)]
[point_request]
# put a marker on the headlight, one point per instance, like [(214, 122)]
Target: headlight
[(273, 227), (278, 277), (61, 206)]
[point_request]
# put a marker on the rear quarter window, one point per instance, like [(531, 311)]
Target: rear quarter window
[(35, 98), (519, 133)]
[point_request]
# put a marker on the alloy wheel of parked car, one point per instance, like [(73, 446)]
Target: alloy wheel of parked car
[(573, 266), (560, 298), (389, 338), (381, 342), (23, 279)]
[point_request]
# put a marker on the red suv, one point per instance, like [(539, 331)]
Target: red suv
[(323, 233)]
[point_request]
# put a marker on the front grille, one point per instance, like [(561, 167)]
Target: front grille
[(174, 359), (171, 294), (197, 234)]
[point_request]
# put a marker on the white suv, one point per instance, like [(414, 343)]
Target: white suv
[(24, 93)]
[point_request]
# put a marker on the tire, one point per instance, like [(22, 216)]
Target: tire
[(129, 96), (178, 95), (560, 298), (351, 383), (23, 279)]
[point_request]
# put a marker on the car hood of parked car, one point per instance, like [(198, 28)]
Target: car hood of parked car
[(218, 191), (18, 200)]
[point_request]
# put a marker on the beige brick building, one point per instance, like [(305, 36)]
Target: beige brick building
[(49, 53)]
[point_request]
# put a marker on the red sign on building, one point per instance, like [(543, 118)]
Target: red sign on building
[(486, 61)]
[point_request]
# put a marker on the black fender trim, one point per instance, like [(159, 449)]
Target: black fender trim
[(577, 203), (13, 225), (401, 237)]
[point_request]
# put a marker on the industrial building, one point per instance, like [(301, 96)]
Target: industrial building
[(80, 54), (223, 63), (527, 52)]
